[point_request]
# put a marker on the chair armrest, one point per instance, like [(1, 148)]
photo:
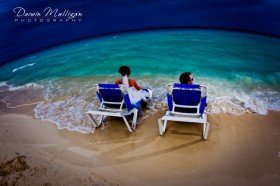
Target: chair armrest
[(202, 105), (203, 90)]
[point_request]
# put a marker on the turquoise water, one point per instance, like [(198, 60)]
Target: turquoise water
[(241, 71), (212, 54)]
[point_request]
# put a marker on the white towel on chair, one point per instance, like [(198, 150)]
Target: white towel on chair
[(134, 94)]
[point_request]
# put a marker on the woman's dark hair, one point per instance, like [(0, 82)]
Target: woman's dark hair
[(124, 70), (185, 78)]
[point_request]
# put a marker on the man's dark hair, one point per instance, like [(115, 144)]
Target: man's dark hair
[(124, 70), (185, 77)]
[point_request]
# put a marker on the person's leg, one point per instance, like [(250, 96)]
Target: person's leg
[(144, 105)]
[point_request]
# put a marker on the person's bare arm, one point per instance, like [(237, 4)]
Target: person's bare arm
[(134, 84), (118, 82)]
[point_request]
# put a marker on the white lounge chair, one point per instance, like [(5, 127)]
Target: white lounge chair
[(114, 101), (185, 104)]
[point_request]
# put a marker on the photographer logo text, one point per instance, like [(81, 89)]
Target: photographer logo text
[(48, 15)]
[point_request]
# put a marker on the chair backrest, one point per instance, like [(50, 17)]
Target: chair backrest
[(185, 95), (110, 93), (112, 96)]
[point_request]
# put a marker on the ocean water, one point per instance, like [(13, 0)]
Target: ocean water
[(240, 70)]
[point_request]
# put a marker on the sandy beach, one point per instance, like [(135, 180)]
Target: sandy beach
[(240, 150)]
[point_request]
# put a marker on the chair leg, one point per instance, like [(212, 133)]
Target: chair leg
[(135, 113), (127, 125), (93, 120), (100, 120), (205, 129), (162, 126)]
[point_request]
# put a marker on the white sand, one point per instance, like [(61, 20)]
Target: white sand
[(240, 150)]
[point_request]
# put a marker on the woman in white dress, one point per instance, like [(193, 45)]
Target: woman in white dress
[(135, 92)]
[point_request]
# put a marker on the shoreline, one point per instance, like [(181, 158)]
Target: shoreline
[(68, 111), (240, 150)]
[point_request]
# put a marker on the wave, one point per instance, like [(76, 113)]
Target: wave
[(18, 87), (241, 103), (4, 86), (3, 83), (16, 96), (22, 67), (28, 85)]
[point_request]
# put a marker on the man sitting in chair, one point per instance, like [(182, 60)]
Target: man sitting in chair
[(186, 103), (186, 78)]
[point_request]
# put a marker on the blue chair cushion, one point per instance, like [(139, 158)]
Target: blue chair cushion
[(112, 93), (185, 94)]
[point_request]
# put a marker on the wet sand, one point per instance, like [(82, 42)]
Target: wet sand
[(240, 150)]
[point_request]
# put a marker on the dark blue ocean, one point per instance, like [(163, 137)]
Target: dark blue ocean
[(99, 17)]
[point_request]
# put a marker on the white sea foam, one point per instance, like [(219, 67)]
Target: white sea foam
[(16, 96), (22, 67), (69, 113), (28, 85), (3, 83), (4, 86)]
